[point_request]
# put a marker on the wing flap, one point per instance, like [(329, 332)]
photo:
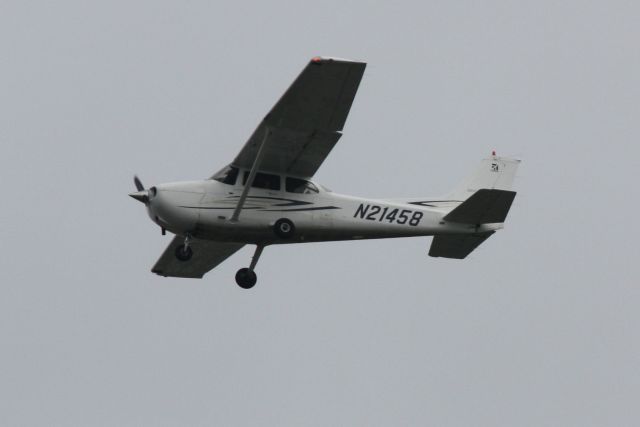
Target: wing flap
[(207, 255), (289, 151), (457, 246)]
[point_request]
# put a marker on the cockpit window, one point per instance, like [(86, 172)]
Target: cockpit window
[(228, 175), (264, 180), (295, 185)]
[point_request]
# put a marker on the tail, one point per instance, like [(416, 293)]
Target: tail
[(485, 198), (494, 173)]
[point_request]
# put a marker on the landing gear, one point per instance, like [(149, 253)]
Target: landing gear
[(284, 228), (184, 252), (245, 277)]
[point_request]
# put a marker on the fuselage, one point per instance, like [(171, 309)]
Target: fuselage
[(265, 195), (204, 208)]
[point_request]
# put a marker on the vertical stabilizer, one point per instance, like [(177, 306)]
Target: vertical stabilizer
[(494, 173)]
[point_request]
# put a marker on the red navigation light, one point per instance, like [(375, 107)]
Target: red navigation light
[(316, 59)]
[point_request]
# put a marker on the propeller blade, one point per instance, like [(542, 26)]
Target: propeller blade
[(141, 196), (138, 183)]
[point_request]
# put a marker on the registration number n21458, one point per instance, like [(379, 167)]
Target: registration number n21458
[(391, 215)]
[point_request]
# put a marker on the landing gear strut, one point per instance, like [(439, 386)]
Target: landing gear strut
[(245, 277), (184, 252)]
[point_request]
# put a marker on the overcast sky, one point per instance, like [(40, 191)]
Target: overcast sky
[(538, 327)]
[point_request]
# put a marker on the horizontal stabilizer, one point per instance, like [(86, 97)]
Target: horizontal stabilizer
[(457, 246), (483, 207)]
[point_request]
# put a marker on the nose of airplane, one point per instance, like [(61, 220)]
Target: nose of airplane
[(165, 204), (144, 196), (141, 196), (168, 204)]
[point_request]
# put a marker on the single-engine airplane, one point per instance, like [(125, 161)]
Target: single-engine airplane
[(266, 195)]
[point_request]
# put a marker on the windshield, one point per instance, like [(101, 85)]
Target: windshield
[(300, 186)]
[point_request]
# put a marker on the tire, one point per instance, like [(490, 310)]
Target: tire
[(246, 278), (284, 228), (182, 254)]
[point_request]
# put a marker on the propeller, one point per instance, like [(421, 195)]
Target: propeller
[(141, 195), (138, 183)]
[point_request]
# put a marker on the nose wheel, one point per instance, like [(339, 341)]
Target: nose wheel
[(246, 278), (184, 252)]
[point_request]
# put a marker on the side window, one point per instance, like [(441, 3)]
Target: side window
[(264, 180), (300, 186), (227, 175)]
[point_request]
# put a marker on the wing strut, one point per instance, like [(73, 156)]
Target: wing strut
[(252, 174)]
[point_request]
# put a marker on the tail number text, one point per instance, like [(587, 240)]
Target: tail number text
[(399, 216)]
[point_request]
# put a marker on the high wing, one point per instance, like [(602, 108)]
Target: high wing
[(207, 255), (305, 123)]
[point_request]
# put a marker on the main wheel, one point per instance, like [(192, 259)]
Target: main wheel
[(184, 254), (246, 278), (284, 228)]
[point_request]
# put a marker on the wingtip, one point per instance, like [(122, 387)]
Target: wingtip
[(324, 59), (158, 272)]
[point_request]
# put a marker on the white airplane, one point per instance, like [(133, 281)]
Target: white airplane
[(266, 195)]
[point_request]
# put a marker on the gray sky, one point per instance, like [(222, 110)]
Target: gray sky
[(538, 327)]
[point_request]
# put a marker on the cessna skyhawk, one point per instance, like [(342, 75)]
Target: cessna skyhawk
[(266, 195)]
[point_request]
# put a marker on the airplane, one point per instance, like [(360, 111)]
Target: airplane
[(266, 195)]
